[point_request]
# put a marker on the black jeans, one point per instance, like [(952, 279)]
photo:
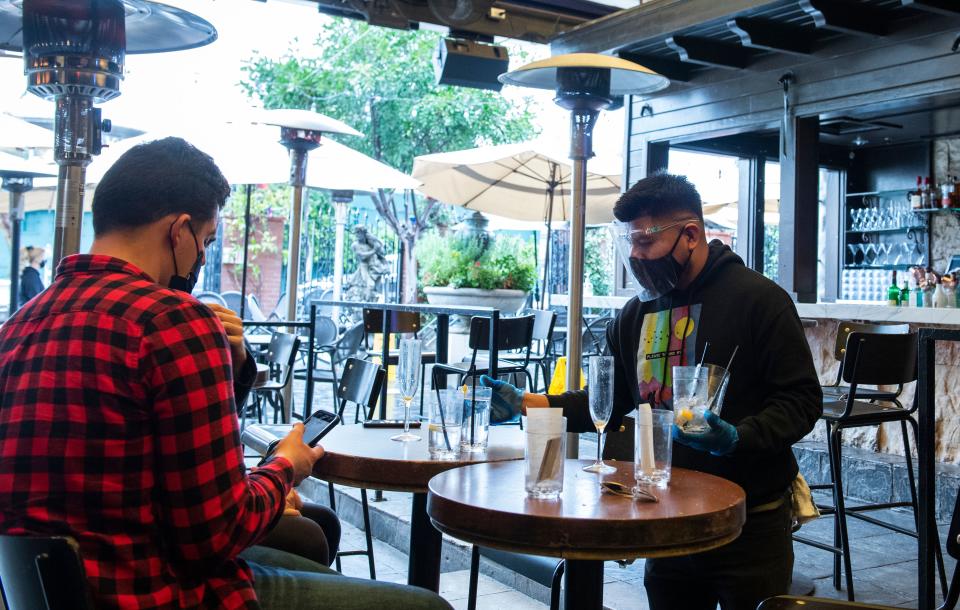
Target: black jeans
[(739, 575), (315, 535)]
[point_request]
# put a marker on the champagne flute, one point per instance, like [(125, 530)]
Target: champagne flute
[(408, 377), (600, 392)]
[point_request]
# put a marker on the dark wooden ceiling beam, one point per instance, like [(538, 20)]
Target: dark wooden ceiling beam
[(674, 70), (848, 17), (951, 8), (771, 36), (707, 52)]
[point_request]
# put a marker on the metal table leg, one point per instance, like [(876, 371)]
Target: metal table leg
[(583, 585), (425, 544)]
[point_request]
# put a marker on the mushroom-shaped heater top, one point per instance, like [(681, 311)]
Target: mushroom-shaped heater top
[(79, 47), (588, 79)]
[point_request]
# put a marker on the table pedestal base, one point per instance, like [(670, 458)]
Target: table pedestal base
[(425, 543), (583, 585)]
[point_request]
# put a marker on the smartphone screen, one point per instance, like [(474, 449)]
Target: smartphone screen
[(317, 426)]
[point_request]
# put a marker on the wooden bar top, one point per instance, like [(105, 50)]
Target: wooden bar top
[(366, 457), (486, 504)]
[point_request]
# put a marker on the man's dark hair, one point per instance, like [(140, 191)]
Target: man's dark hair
[(155, 179), (659, 195)]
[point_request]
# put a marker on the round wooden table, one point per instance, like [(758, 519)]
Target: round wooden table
[(367, 458), (486, 504)]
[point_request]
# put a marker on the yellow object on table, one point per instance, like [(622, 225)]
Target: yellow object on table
[(558, 384)]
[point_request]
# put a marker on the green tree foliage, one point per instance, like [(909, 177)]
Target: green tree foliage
[(381, 82)]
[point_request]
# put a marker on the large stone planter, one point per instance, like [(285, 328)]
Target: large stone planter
[(508, 302)]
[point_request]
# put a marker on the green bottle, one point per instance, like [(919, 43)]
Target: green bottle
[(893, 292), (905, 295)]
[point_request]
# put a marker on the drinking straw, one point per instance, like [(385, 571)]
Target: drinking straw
[(696, 375), (443, 421), (473, 403), (726, 374)]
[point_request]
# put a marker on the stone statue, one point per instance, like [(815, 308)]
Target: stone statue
[(365, 284)]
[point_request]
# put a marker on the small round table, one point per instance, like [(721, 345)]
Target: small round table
[(486, 504), (367, 458)]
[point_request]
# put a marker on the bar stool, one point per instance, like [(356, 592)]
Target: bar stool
[(875, 359), (836, 390)]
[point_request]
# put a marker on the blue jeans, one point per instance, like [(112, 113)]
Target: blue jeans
[(284, 581)]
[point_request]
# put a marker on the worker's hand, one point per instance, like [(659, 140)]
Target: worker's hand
[(506, 401), (234, 327), (300, 454), (720, 439)]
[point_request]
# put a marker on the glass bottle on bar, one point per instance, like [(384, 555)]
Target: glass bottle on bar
[(927, 195), (905, 295), (916, 197), (893, 292)]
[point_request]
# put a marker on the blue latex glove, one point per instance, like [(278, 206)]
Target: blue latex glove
[(720, 439), (505, 401)]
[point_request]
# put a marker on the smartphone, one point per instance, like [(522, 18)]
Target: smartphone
[(314, 428), (389, 423)]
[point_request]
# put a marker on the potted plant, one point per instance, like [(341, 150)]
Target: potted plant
[(471, 271)]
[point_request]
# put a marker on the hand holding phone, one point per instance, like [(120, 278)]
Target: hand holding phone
[(300, 445)]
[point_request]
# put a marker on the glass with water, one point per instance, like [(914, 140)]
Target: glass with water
[(544, 457), (690, 397), (476, 418), (408, 378), (652, 446), (443, 428)]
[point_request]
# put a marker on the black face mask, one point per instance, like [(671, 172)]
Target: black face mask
[(186, 284), (658, 276)]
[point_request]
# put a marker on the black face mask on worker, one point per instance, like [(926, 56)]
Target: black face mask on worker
[(187, 283), (657, 276)]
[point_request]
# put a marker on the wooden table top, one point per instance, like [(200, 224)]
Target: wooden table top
[(486, 504), (366, 457)]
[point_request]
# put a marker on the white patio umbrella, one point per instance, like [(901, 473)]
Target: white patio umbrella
[(17, 133), (519, 181)]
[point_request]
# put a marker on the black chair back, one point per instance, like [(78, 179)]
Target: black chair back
[(845, 327), (281, 354), (42, 573), (360, 384), (512, 333), (880, 359), (398, 322)]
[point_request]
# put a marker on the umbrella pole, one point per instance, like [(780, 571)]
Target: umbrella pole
[(246, 252), (546, 248)]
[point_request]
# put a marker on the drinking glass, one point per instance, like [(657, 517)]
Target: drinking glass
[(446, 418), (600, 384), (690, 397), (408, 378), (652, 448)]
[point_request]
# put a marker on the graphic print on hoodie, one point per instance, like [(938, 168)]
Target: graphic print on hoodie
[(668, 338)]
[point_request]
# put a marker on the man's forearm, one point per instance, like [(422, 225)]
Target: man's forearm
[(534, 401)]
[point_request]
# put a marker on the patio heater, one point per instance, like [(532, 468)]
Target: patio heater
[(300, 132), (73, 54), (585, 84), (17, 176)]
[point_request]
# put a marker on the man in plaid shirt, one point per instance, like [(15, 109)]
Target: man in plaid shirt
[(118, 421)]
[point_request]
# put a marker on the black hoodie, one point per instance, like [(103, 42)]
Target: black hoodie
[(774, 397)]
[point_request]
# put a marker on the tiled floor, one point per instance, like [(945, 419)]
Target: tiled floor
[(884, 563)]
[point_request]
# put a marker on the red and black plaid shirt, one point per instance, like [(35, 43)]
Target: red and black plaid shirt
[(118, 427)]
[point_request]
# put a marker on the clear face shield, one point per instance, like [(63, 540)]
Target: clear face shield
[(652, 277)]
